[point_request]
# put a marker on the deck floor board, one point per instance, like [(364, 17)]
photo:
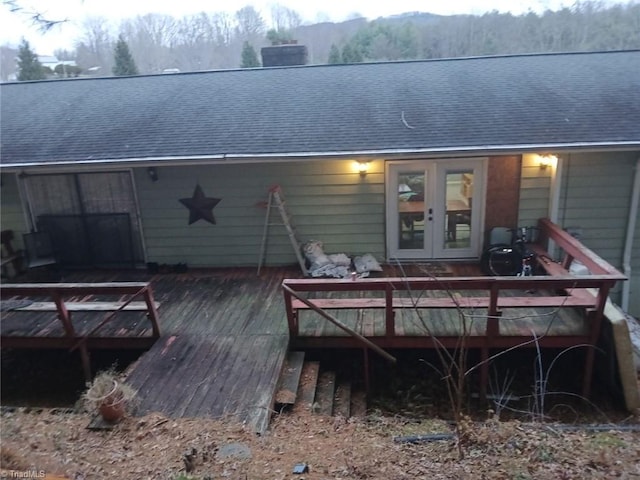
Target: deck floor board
[(209, 378), (223, 339), (224, 335), (232, 370)]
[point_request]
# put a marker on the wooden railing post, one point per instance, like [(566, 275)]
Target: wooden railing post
[(63, 314), (292, 317), (65, 317), (152, 313), (493, 325), (367, 371), (567, 261), (493, 330), (594, 318), (389, 314)]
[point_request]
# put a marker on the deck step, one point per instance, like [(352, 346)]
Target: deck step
[(342, 399), (307, 387), (289, 379), (318, 391), (324, 393), (358, 403)]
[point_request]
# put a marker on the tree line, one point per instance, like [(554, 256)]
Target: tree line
[(222, 40), (30, 68), (587, 26)]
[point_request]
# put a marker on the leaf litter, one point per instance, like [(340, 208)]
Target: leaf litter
[(154, 446)]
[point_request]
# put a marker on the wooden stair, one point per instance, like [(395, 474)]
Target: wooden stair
[(325, 391), (305, 388), (342, 399), (289, 379)]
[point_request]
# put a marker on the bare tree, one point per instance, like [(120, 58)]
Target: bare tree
[(195, 43), (250, 23), (151, 38), (43, 22), (208, 41), (284, 18), (64, 54), (95, 48), (222, 24), (161, 30), (227, 47)]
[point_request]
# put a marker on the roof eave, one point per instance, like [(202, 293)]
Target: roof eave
[(293, 156)]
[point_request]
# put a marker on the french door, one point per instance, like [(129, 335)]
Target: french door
[(434, 208)]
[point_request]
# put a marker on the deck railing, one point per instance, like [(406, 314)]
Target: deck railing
[(59, 293), (414, 290), (558, 289)]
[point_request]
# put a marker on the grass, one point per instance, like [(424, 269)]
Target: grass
[(607, 440)]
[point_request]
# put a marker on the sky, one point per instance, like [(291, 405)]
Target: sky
[(17, 25)]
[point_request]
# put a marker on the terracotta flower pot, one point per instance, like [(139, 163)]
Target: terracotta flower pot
[(112, 406), (109, 396), (112, 412)]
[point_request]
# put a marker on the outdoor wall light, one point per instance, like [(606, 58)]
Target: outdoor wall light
[(153, 174), (363, 167), (544, 161)]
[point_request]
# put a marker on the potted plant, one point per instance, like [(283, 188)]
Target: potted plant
[(109, 395)]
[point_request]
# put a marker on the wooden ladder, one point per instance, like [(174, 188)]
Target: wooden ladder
[(276, 199)]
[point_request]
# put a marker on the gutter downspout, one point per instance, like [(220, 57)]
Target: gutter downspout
[(628, 243)]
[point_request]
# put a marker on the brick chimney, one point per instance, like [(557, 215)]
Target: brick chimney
[(284, 55)]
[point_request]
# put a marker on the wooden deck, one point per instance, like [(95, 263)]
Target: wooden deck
[(556, 309), (224, 333), (223, 344), (223, 340)]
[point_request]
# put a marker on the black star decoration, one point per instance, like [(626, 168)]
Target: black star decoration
[(200, 206)]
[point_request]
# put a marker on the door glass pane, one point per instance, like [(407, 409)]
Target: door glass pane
[(112, 192), (458, 196), (52, 194), (411, 210)]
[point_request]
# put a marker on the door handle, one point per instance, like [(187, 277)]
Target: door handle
[(430, 214)]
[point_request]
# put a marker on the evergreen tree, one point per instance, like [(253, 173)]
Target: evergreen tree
[(124, 64), (334, 55), (249, 56), (382, 40), (351, 54), (280, 36), (68, 71), (29, 68)]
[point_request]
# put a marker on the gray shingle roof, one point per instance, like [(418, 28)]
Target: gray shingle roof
[(456, 104)]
